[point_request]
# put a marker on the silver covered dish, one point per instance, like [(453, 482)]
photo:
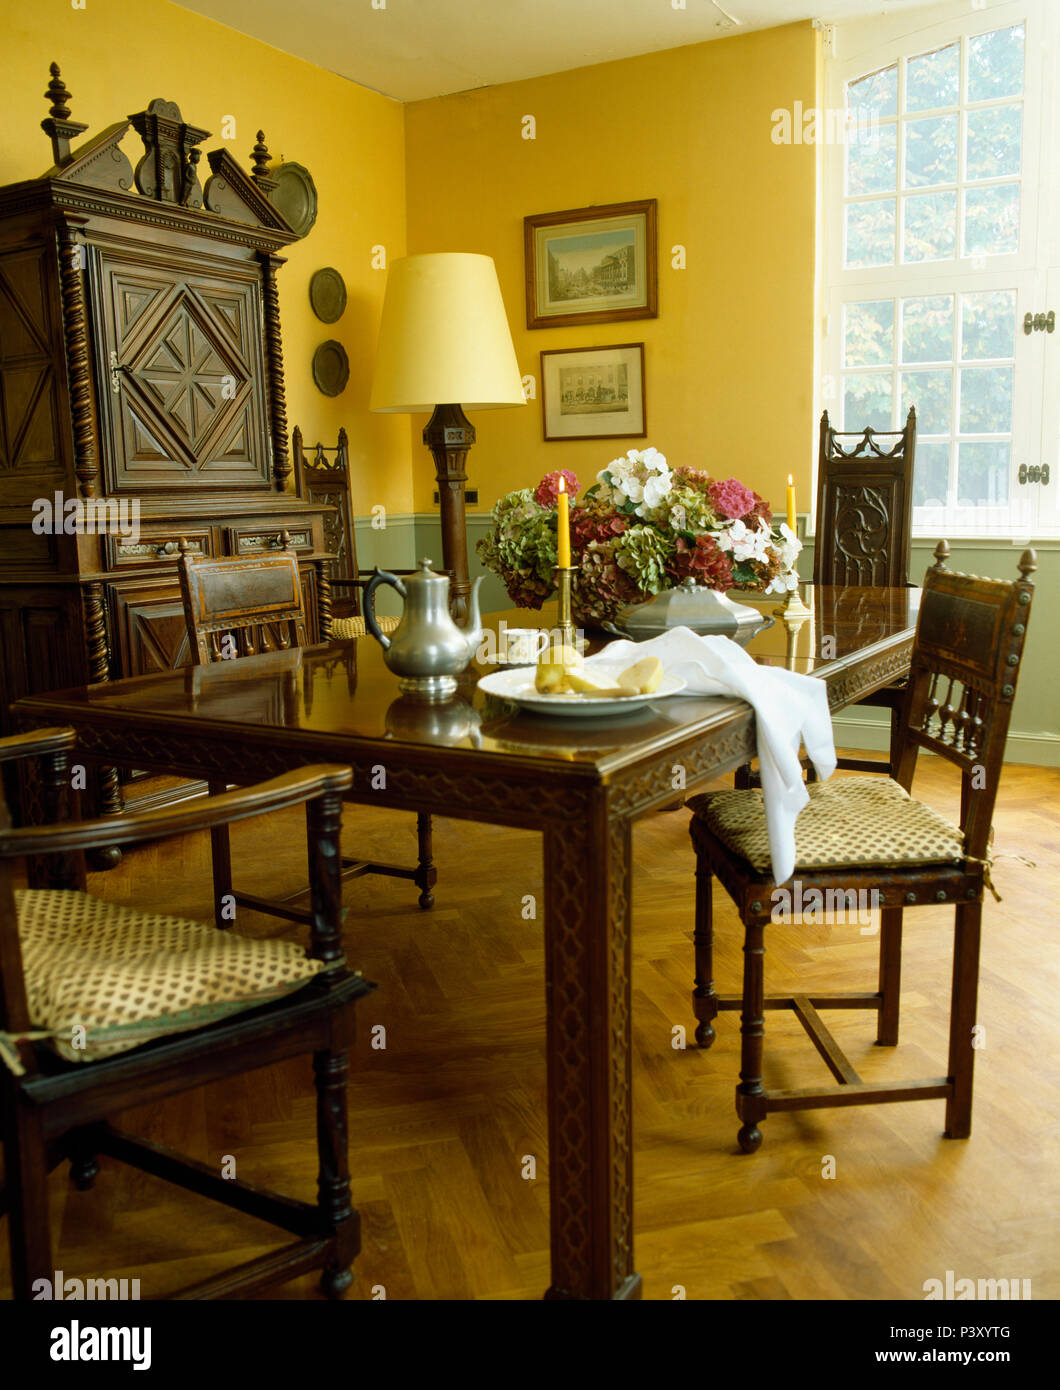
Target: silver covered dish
[(707, 612)]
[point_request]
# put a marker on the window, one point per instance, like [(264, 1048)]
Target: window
[(936, 246)]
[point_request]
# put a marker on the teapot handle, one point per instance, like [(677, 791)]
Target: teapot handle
[(379, 577)]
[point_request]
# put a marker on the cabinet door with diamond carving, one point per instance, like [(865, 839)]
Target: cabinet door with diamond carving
[(181, 371)]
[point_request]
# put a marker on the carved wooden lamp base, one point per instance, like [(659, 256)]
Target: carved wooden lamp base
[(449, 435)]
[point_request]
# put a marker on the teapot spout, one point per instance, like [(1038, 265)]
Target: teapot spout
[(472, 626)]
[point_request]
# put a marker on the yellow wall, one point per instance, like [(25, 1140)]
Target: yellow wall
[(116, 55), (729, 360)]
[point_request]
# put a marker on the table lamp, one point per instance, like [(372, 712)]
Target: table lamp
[(444, 343)]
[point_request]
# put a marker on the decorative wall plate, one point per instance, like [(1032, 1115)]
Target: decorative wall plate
[(327, 294), (295, 196), (331, 367)]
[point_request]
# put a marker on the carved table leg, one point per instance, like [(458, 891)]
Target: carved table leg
[(587, 973)]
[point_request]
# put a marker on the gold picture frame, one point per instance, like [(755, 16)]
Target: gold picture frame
[(594, 392), (592, 265)]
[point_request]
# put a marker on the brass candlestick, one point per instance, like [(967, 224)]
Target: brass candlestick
[(793, 614), (565, 624)]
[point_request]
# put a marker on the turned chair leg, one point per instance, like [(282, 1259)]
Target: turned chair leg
[(962, 1019), (890, 976), (426, 873), (221, 855), (26, 1180), (752, 1038), (333, 1179), (704, 998), (84, 1166)]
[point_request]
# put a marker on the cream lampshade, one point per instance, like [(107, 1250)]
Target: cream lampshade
[(444, 344)]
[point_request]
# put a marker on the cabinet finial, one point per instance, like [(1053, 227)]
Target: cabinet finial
[(57, 123)]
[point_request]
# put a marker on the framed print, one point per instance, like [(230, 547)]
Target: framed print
[(594, 393), (591, 265)]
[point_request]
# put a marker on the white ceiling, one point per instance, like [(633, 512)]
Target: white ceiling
[(411, 49)]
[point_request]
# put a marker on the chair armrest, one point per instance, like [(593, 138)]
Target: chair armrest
[(37, 741), (289, 789)]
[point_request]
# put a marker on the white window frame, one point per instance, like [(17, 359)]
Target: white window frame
[(1035, 434)]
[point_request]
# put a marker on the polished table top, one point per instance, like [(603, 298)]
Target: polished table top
[(343, 690)]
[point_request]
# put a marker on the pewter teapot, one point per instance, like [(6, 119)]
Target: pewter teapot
[(427, 649)]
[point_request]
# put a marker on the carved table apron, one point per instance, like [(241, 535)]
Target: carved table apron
[(581, 787)]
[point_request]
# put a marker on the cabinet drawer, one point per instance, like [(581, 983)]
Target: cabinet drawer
[(157, 545), (259, 540)]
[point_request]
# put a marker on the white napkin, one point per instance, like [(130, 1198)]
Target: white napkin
[(789, 709)]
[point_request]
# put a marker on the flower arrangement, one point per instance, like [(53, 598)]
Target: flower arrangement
[(641, 528)]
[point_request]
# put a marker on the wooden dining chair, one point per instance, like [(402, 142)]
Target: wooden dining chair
[(867, 834), (324, 476), (103, 1007), (865, 530), (237, 607)]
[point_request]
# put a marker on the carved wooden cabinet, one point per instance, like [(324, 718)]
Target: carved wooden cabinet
[(140, 363)]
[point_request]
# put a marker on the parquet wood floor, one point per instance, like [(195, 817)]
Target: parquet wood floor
[(447, 1121)]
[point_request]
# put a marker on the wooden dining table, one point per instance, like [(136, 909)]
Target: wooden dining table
[(581, 783)]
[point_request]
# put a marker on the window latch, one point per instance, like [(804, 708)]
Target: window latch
[(1039, 323)]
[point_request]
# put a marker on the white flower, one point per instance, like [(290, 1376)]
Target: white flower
[(656, 488), (789, 547), (679, 517)]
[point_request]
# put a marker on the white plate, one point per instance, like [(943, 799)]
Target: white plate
[(517, 685)]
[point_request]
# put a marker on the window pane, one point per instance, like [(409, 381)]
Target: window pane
[(870, 233), (995, 64), (867, 401), (988, 324), (930, 232), (986, 400), (982, 473), (930, 393), (931, 469), (933, 79), (872, 161), (992, 220), (927, 328), (931, 151), (876, 94), (995, 137), (868, 333)]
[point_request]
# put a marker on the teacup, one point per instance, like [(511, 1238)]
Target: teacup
[(521, 646)]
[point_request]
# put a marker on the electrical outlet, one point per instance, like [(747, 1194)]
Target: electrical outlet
[(470, 496)]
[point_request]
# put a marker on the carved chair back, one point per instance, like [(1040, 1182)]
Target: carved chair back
[(324, 477), (240, 607), (864, 505), (966, 657)]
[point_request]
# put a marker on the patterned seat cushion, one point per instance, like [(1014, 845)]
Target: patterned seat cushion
[(126, 977), (853, 822), (344, 628)]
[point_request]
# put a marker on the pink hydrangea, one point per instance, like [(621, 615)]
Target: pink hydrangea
[(547, 490), (731, 499)]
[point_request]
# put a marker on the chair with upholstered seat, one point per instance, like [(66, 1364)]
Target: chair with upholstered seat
[(236, 607), (867, 835), (104, 1008)]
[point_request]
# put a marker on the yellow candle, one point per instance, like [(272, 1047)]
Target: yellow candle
[(563, 526), (791, 502)]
